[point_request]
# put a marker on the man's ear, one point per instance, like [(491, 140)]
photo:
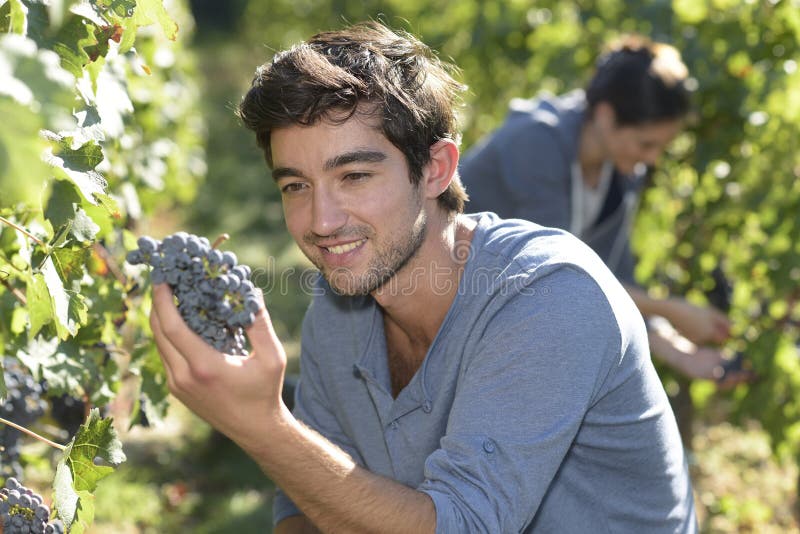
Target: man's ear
[(439, 171)]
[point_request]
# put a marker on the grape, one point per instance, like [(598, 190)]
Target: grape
[(23, 405), (215, 295), (22, 511)]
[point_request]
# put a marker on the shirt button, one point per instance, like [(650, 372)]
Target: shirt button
[(427, 407), (488, 446), (394, 425)]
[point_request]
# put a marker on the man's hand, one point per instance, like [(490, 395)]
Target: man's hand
[(238, 395)]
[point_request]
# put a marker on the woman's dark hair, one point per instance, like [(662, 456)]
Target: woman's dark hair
[(365, 69), (643, 81)]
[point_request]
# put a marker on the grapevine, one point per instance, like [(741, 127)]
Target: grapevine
[(97, 136)]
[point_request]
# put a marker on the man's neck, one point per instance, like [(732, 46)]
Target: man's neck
[(417, 299)]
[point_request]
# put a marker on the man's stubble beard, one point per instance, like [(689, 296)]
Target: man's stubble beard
[(388, 261)]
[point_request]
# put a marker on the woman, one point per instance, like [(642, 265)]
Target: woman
[(578, 162)]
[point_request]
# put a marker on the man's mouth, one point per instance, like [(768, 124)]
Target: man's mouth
[(347, 247)]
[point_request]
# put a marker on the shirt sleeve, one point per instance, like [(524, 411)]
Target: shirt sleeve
[(543, 357), (312, 407)]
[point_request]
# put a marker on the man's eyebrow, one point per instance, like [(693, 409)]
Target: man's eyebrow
[(356, 156), (283, 172)]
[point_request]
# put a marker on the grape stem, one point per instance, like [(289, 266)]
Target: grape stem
[(220, 240), (32, 434), (23, 231)]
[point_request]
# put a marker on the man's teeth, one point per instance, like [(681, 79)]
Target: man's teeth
[(341, 249)]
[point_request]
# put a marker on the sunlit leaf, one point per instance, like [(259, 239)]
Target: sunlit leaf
[(40, 306), (78, 473)]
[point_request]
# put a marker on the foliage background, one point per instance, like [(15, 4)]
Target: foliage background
[(727, 196)]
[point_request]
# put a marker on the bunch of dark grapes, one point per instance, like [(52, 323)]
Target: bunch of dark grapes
[(69, 412), (215, 295), (23, 405), (23, 511)]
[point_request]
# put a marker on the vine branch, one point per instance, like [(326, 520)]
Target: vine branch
[(32, 434), (22, 231), (19, 295), (101, 251)]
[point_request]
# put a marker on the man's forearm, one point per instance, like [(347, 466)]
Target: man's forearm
[(334, 493)]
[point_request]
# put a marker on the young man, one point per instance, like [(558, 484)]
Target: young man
[(459, 373), (578, 162)]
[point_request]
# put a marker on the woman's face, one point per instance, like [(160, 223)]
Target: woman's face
[(628, 145)]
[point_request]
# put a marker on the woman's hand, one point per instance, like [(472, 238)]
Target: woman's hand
[(700, 325)]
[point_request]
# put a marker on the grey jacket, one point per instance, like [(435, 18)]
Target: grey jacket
[(522, 170)]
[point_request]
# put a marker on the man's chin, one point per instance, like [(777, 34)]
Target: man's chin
[(350, 285)]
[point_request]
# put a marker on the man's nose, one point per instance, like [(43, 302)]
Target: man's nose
[(328, 212)]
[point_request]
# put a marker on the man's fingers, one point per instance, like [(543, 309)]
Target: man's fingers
[(261, 333), (174, 363), (175, 330)]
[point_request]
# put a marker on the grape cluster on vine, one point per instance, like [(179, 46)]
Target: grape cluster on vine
[(22, 511), (23, 405), (215, 295)]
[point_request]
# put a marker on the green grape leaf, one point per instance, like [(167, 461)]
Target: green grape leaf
[(65, 322), (83, 228), (74, 37), (14, 17), (120, 8), (153, 12), (78, 472), (62, 365), (104, 34), (153, 387), (19, 320), (60, 208), (40, 306), (70, 262), (91, 183), (111, 205), (37, 354), (82, 159), (78, 167), (22, 172)]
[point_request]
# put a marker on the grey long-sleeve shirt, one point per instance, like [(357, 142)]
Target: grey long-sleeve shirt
[(536, 409)]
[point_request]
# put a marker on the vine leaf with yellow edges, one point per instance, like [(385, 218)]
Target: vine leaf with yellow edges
[(92, 455)]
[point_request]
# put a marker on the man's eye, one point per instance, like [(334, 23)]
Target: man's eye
[(357, 176), (292, 187)]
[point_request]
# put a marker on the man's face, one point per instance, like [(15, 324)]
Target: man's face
[(348, 201)]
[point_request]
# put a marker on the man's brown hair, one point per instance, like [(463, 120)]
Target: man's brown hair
[(365, 68)]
